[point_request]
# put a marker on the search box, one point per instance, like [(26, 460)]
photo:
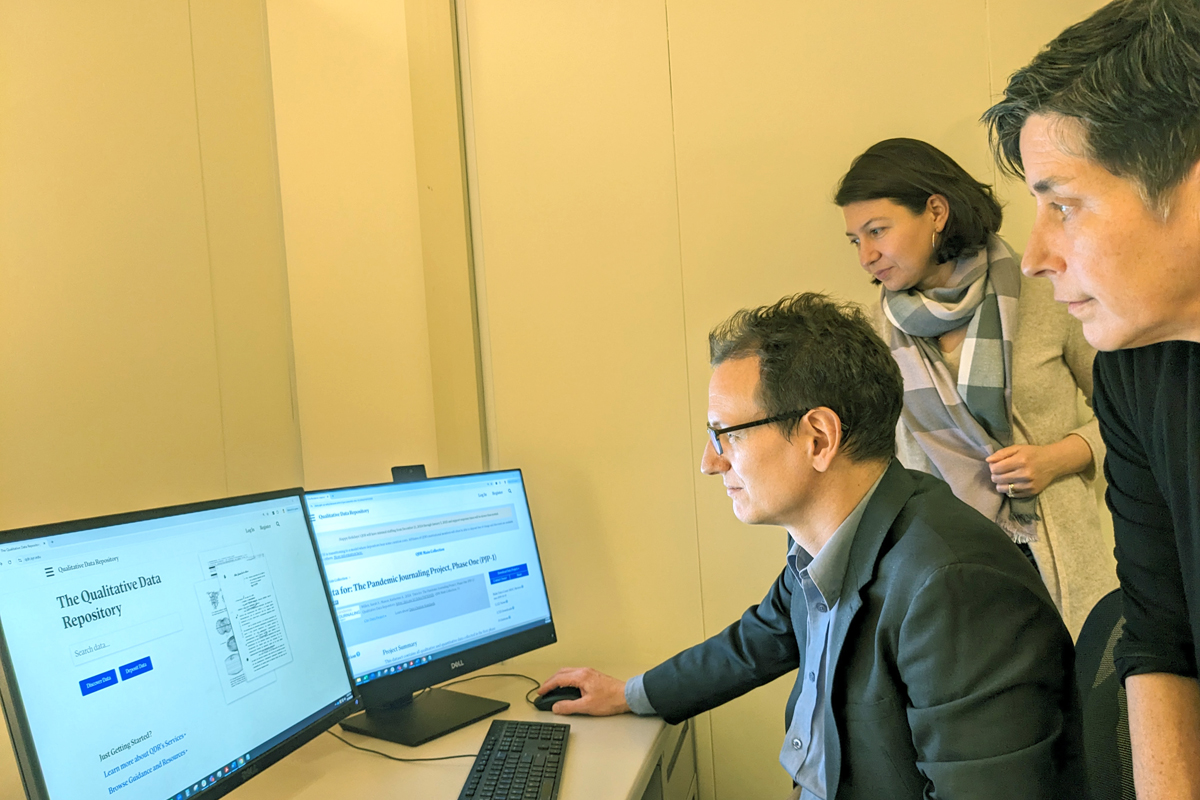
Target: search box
[(96, 647)]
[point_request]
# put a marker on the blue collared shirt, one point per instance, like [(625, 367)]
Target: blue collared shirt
[(820, 579)]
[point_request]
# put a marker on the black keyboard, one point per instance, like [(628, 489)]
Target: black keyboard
[(518, 761)]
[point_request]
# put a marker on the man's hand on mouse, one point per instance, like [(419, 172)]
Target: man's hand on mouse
[(602, 695)]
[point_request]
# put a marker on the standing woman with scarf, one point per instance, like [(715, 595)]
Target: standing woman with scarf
[(991, 364)]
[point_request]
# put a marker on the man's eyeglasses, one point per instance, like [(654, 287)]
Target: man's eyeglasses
[(715, 434)]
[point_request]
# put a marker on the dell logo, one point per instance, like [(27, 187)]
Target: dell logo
[(455, 664)]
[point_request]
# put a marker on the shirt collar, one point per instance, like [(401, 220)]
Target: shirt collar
[(828, 568)]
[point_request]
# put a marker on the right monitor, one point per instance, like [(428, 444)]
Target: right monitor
[(430, 580)]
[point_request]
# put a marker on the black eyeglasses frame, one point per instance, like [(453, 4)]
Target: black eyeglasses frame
[(714, 434)]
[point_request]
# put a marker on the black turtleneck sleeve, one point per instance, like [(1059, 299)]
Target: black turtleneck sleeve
[(1148, 403)]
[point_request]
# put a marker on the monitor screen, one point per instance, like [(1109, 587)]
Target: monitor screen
[(433, 578), (169, 653)]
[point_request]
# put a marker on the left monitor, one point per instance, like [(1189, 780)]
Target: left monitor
[(166, 654)]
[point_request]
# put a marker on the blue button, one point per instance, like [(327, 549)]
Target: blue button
[(98, 682), (508, 573), (136, 668)]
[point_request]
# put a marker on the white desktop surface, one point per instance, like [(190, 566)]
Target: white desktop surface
[(607, 757)]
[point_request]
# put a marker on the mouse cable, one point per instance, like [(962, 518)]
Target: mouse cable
[(536, 683), (394, 758)]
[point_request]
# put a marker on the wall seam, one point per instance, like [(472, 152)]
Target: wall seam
[(705, 718), (212, 294), (483, 342), (683, 310), (293, 385), (987, 28), (486, 425)]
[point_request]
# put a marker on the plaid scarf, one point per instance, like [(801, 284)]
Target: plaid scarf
[(957, 426)]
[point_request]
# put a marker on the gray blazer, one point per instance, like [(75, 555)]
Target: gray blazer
[(952, 674)]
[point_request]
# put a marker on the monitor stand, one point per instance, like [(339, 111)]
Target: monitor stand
[(427, 715)]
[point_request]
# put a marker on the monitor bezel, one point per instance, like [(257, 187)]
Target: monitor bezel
[(20, 734), (397, 689)]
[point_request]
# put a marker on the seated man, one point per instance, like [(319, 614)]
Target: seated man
[(931, 659)]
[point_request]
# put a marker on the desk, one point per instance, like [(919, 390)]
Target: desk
[(622, 758)]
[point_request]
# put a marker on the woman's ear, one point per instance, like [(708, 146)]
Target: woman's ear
[(939, 207)]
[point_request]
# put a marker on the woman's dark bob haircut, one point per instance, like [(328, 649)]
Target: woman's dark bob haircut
[(909, 172)]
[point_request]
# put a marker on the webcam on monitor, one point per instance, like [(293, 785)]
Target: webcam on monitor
[(407, 474)]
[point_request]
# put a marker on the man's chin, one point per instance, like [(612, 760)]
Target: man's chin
[(744, 515)]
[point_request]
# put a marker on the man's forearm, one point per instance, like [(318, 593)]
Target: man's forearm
[(1164, 726)]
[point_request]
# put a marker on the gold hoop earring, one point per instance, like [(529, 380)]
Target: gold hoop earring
[(933, 241)]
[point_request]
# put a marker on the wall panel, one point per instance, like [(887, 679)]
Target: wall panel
[(445, 234), (144, 340), (248, 266), (349, 189), (583, 298), (109, 395)]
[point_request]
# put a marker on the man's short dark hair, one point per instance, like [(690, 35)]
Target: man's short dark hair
[(909, 172), (1130, 74), (814, 351)]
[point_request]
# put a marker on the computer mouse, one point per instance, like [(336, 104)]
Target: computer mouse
[(546, 702)]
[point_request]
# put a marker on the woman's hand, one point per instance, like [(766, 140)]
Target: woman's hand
[(1024, 470)]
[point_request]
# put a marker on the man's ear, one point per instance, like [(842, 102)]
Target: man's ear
[(827, 436)]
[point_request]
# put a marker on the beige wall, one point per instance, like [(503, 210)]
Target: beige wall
[(349, 187), (642, 173), (446, 245), (145, 356)]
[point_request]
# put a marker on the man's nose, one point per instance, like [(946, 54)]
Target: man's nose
[(710, 462), (1040, 260)]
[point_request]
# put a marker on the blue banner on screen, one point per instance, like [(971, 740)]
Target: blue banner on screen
[(430, 567), (511, 573)]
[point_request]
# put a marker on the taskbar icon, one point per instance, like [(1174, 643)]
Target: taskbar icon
[(205, 782), (370, 676)]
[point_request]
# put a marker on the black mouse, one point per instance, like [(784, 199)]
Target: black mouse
[(546, 702)]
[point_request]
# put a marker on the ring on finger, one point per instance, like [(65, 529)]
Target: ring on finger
[(1009, 491)]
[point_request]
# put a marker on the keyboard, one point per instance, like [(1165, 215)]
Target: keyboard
[(518, 761)]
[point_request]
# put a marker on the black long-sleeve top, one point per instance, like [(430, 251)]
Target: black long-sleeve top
[(1148, 404)]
